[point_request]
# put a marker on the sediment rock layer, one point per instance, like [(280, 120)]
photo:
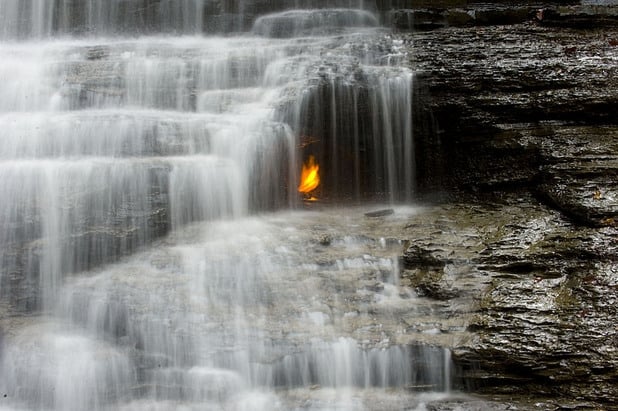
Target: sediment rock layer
[(523, 106)]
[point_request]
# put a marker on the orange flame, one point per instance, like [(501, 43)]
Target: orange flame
[(309, 176)]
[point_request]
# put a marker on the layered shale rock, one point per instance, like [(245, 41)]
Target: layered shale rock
[(534, 292), (514, 105), (524, 114)]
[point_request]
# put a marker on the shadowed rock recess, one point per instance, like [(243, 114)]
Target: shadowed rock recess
[(524, 99)]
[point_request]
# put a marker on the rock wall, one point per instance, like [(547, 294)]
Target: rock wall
[(523, 98), (526, 301), (530, 104)]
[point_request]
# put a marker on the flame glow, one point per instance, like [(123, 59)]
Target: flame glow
[(309, 176)]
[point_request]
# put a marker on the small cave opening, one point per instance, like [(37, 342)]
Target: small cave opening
[(373, 139)]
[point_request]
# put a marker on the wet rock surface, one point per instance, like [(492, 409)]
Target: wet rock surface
[(524, 299), (526, 108), (526, 105), (580, 177), (536, 292)]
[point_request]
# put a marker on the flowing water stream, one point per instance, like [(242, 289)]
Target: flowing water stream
[(151, 255)]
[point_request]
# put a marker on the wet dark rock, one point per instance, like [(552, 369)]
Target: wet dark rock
[(425, 272), (580, 16), (588, 200), (424, 19), (524, 106), (415, 256), (380, 213), (469, 14), (430, 283), (484, 16), (558, 336), (541, 291), (580, 178), (474, 404)]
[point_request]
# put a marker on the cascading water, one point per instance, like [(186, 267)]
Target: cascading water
[(166, 147)]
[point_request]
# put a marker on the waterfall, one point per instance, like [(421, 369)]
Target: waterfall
[(149, 256), (44, 18), (357, 120)]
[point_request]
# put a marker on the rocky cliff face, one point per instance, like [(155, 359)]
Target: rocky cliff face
[(526, 301), (523, 98), (539, 97)]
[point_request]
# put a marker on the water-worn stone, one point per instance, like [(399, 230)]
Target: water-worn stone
[(538, 294), (580, 16), (415, 256), (580, 178), (471, 15), (529, 109), (525, 105)]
